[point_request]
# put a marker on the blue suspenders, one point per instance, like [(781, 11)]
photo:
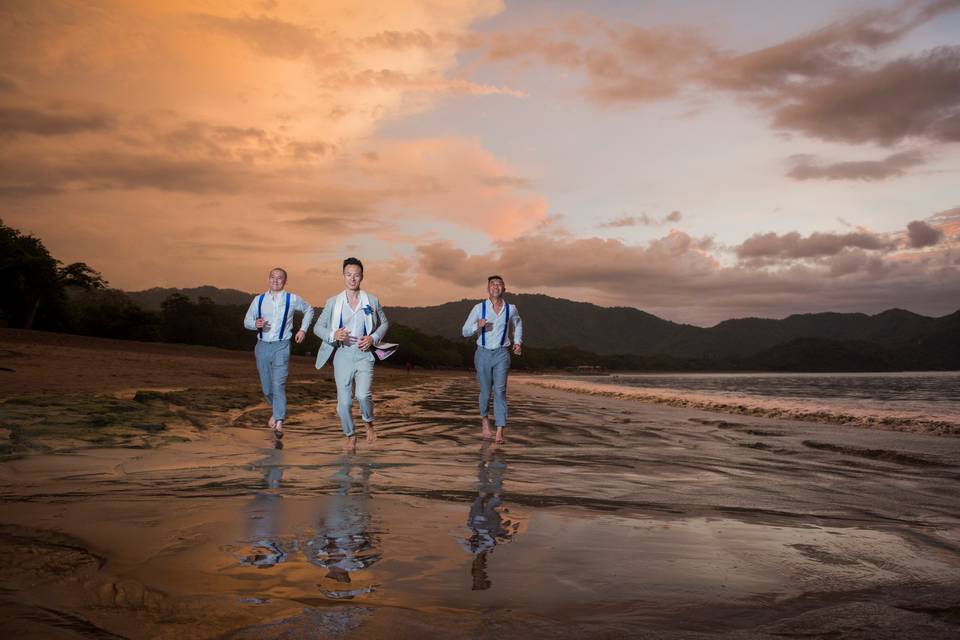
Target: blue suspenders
[(483, 330), (506, 325), (286, 309), (283, 324), (483, 314), (260, 315)]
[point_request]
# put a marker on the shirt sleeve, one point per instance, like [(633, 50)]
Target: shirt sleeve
[(517, 326), (470, 326), (307, 310), (322, 328), (381, 330), (250, 320)]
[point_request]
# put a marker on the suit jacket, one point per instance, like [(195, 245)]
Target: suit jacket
[(376, 322)]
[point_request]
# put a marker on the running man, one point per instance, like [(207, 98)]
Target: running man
[(492, 320), (271, 316), (351, 324)]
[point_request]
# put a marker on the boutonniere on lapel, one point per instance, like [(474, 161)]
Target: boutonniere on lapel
[(367, 310)]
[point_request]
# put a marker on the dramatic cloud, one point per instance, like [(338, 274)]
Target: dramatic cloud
[(220, 124), (531, 261), (948, 221), (459, 182), (805, 167), (622, 63), (921, 234), (404, 40), (8, 84), (642, 219), (794, 246), (916, 97), (268, 36), (15, 121), (830, 84), (106, 171), (677, 277), (173, 143), (389, 79), (826, 53), (334, 201)]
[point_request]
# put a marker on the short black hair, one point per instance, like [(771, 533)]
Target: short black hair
[(350, 261), (500, 278)]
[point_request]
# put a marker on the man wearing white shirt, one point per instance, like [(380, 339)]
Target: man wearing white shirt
[(271, 316), (351, 324), (492, 319)]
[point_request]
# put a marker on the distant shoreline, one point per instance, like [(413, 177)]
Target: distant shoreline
[(42, 361)]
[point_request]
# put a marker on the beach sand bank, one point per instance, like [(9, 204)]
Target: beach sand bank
[(142, 501)]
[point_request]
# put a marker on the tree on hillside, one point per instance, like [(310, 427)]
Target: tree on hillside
[(32, 280), (109, 313)]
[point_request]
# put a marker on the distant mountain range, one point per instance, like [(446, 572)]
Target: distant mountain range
[(554, 322), (900, 338), (151, 299)]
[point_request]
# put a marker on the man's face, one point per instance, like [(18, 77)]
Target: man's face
[(276, 280), (352, 277), (496, 288)]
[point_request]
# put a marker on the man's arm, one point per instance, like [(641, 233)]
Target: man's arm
[(517, 326), (250, 320), (470, 326), (322, 327), (307, 309), (381, 330)]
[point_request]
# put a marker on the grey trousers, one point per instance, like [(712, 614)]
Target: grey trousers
[(353, 367), (273, 364), (493, 365)]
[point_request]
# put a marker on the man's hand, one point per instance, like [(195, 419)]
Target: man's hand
[(517, 349), (300, 336), (262, 324), (341, 335), (365, 343), (481, 323)]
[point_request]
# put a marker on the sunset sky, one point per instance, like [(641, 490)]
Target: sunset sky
[(699, 160)]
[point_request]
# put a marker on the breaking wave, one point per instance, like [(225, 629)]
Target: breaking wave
[(888, 415)]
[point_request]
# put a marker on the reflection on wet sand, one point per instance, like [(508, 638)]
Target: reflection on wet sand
[(267, 549), (485, 520), (345, 541)]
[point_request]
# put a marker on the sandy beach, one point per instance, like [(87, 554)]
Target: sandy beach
[(143, 498)]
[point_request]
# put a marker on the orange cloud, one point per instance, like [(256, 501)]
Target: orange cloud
[(460, 182), (184, 140)]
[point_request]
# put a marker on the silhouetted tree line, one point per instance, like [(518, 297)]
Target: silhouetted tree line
[(37, 291), (34, 285)]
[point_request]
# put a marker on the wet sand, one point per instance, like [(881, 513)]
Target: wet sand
[(164, 511)]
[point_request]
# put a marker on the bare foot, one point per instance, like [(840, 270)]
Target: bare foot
[(351, 444), (272, 422), (485, 428), (278, 429), (499, 438), (371, 433)]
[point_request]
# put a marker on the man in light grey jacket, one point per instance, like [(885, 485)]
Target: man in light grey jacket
[(351, 325)]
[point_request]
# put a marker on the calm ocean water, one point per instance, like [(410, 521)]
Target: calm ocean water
[(927, 395)]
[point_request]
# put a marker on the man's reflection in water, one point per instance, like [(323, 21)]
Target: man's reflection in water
[(266, 550), (486, 522), (345, 541)]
